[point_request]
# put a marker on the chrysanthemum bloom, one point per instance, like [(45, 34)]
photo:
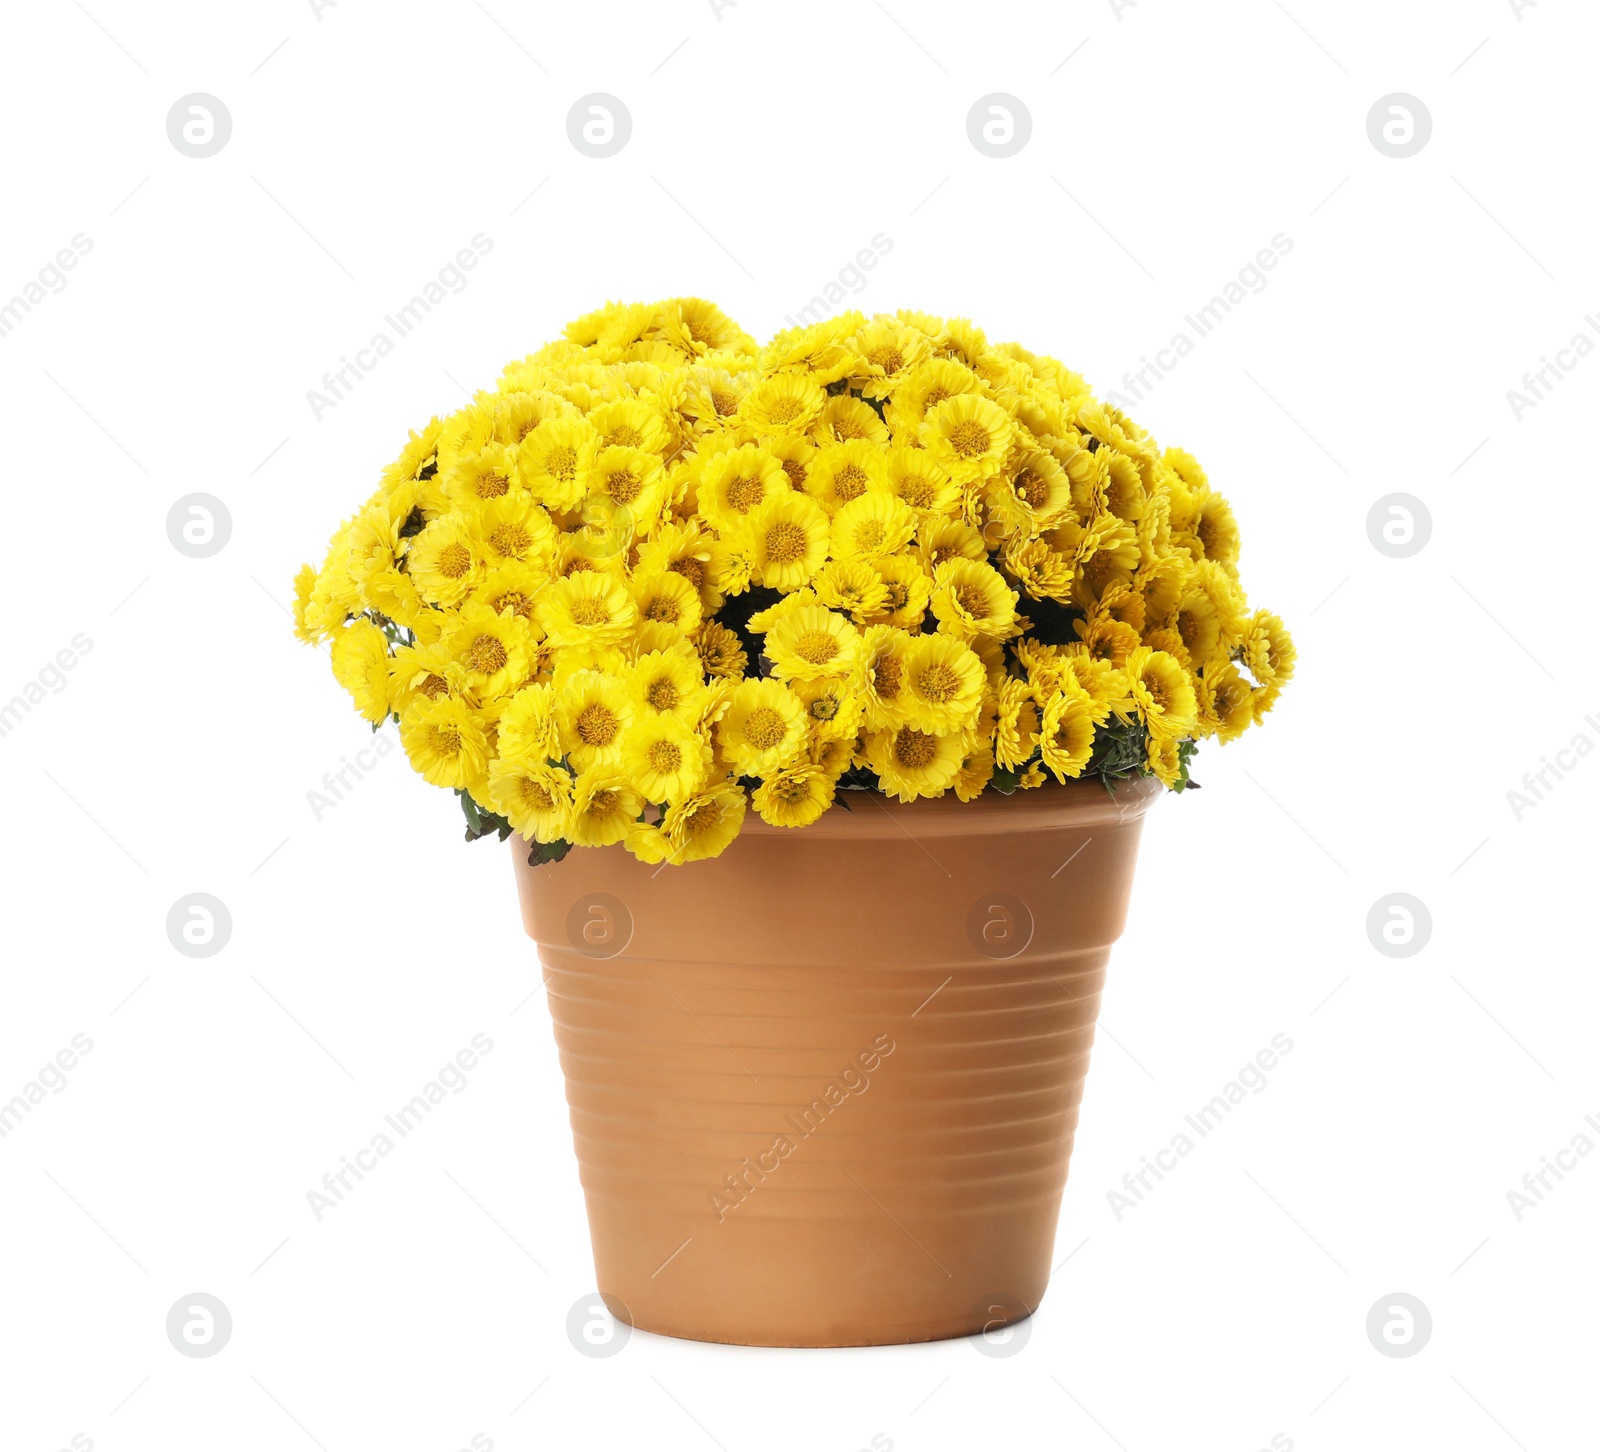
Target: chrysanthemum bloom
[(1066, 733), (555, 461), (872, 527), (916, 480), (446, 742), (765, 727), (912, 763), (535, 797), (587, 609), (1016, 731), (734, 483), (783, 403), (667, 683), (845, 471), (666, 599), (492, 650), (854, 586), (972, 598), (907, 588), (703, 825), (811, 642), (604, 805), (594, 712), (832, 708), (882, 677), (944, 683), (720, 652), (1162, 692), (923, 386), (967, 436), (794, 796), (846, 419), (629, 423), (361, 666), (787, 537), (665, 758), (528, 726), (886, 351), (630, 479), (445, 560), (476, 478)]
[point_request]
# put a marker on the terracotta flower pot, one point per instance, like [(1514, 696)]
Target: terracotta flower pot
[(824, 1087)]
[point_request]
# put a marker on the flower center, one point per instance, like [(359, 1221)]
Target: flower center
[(663, 695), (693, 570), (604, 803), (786, 542), (889, 358), (917, 492), (454, 561), (562, 463), (488, 654), (597, 725), (850, 482), (510, 540), (816, 646), (623, 486), (1031, 489), (586, 610), (536, 795), (724, 403), (887, 676), (870, 535), (433, 687), (913, 748), (746, 492), (491, 486), (624, 435), (665, 757), (972, 600), (663, 608), (785, 410), (938, 683), (764, 728), (796, 472), (446, 740), (969, 438)]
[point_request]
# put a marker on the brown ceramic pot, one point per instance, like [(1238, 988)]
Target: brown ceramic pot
[(824, 1087)]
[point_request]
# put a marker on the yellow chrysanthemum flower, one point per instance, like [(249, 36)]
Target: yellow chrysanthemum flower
[(664, 758), (492, 650), (926, 385), (846, 419), (446, 742), (921, 483), (795, 796), (734, 482), (1066, 733), (666, 683), (586, 610), (971, 597), (872, 527), (1162, 692), (604, 806), (944, 684), (555, 461), (912, 763), (361, 666), (535, 797), (811, 642), (764, 727), (1016, 732), (787, 538), (593, 712), (854, 586), (833, 709), (667, 599), (703, 825), (528, 727), (907, 589), (887, 351), (882, 676), (784, 403), (845, 471), (722, 655), (967, 436), (445, 560), (629, 479)]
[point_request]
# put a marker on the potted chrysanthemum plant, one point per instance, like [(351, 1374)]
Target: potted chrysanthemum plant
[(851, 663)]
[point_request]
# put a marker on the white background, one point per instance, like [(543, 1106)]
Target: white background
[(1170, 143)]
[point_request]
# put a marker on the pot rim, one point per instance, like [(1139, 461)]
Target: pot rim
[(1044, 808)]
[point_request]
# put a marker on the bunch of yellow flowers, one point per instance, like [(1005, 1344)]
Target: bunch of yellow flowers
[(662, 573)]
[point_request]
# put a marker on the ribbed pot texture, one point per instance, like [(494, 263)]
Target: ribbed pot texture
[(824, 1087)]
